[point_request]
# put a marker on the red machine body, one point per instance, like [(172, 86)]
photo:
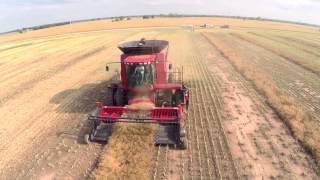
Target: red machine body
[(145, 76), (161, 63)]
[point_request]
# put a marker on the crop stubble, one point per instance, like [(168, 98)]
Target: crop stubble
[(49, 131), (236, 60), (208, 155)]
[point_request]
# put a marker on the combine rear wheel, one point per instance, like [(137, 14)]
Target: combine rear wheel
[(183, 139), (87, 139), (183, 143)]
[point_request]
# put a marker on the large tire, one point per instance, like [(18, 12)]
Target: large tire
[(109, 100), (86, 138), (183, 139), (178, 97), (119, 97), (183, 132), (183, 144)]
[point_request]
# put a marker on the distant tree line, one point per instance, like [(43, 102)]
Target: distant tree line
[(237, 17), (42, 26), (173, 15), (148, 17)]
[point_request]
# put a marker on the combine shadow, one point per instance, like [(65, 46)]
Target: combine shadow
[(80, 101)]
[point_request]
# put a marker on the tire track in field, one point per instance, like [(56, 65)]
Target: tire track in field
[(285, 43), (278, 142), (14, 47), (53, 150), (37, 44), (56, 152), (50, 72), (300, 41), (31, 124), (26, 66), (308, 67), (31, 83), (308, 100), (61, 68), (67, 139), (41, 113), (57, 147)]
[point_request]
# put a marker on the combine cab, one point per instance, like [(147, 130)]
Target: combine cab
[(149, 91)]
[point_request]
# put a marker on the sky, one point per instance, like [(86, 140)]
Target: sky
[(16, 14)]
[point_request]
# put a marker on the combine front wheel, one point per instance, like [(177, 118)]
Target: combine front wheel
[(109, 100), (119, 97), (178, 97)]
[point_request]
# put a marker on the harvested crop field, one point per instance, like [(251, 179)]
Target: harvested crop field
[(254, 106)]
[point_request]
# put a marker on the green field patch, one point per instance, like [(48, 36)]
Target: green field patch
[(16, 46)]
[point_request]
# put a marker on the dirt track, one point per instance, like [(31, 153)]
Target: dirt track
[(44, 99), (303, 85), (260, 142)]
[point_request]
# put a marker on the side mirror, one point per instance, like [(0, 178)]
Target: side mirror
[(170, 66), (107, 68)]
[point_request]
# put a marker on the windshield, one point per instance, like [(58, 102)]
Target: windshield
[(140, 75)]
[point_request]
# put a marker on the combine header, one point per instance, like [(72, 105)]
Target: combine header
[(150, 91)]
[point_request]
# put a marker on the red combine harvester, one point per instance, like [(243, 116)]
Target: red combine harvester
[(146, 78)]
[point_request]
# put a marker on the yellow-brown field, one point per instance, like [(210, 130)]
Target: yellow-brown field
[(157, 22), (255, 102)]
